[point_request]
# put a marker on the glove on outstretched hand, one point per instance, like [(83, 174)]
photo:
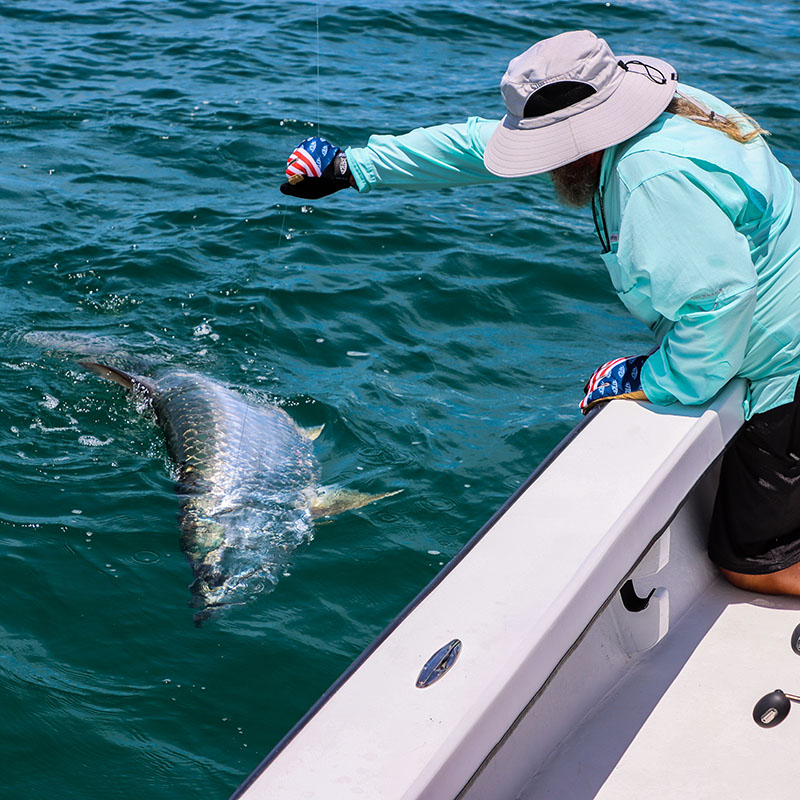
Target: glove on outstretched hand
[(316, 168), (620, 378)]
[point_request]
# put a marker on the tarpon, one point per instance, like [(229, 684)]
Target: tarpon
[(247, 481)]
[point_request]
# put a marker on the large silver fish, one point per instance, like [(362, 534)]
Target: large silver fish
[(247, 481)]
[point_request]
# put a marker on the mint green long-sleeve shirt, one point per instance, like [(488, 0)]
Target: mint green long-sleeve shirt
[(704, 244)]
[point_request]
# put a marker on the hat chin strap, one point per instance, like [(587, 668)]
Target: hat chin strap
[(652, 72)]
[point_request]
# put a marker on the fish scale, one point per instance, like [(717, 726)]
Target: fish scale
[(254, 470), (247, 483)]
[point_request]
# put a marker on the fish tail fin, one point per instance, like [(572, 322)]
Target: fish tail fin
[(330, 500), (130, 382)]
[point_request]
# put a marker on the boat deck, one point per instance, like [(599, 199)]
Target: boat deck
[(680, 722)]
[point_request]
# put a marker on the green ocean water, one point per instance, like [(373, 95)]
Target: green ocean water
[(441, 337)]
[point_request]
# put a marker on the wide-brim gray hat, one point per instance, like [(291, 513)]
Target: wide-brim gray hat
[(569, 96)]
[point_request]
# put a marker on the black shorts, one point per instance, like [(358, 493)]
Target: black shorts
[(755, 526)]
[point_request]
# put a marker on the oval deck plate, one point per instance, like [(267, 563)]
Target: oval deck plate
[(439, 663)]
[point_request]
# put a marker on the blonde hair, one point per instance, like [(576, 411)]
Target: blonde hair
[(740, 127)]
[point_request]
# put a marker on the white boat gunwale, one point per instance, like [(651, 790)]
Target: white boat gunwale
[(423, 593), (609, 531)]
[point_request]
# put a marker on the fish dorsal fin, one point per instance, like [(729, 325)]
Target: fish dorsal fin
[(130, 382), (311, 433), (330, 500)]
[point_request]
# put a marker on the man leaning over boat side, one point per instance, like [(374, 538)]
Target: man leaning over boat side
[(699, 228)]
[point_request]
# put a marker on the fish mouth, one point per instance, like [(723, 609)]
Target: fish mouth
[(208, 583), (207, 606), (208, 610)]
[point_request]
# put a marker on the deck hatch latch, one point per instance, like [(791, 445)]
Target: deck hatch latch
[(439, 663)]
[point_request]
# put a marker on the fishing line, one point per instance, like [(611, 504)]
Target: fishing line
[(318, 59), (262, 328), (281, 238)]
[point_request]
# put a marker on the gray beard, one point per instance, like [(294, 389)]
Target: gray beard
[(576, 183)]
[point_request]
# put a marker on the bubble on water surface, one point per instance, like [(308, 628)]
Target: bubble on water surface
[(93, 441)]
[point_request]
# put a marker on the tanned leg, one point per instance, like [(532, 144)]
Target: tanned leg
[(785, 581)]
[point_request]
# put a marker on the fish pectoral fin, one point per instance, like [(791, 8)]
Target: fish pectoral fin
[(330, 500), (311, 433)]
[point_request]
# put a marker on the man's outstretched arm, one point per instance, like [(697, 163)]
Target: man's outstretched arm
[(424, 158)]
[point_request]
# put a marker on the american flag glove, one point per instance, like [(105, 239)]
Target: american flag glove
[(316, 168), (621, 378)]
